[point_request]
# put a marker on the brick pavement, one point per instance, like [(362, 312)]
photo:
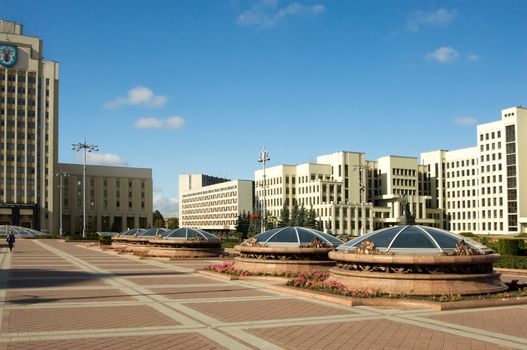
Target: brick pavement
[(56, 295)]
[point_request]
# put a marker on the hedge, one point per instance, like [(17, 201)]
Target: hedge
[(509, 246), (105, 240), (467, 234), (512, 262)]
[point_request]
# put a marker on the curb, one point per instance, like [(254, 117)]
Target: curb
[(514, 272), (399, 303)]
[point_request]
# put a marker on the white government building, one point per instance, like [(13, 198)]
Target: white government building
[(213, 203), (480, 189)]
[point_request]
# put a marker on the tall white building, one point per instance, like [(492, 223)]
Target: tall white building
[(349, 194), (29, 92), (483, 189), (212, 203)]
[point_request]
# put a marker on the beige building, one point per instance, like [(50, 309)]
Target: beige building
[(332, 187), (117, 198), (483, 189), (29, 88), (212, 203)]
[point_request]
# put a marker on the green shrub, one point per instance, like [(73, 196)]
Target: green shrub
[(509, 246), (89, 237), (105, 240), (43, 236), (230, 243), (512, 262), (467, 234)]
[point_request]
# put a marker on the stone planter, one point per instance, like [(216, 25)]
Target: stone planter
[(184, 248), (417, 274), (279, 260)]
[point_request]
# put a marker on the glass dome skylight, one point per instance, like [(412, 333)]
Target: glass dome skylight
[(134, 231), (295, 236), (153, 232), (185, 233), (20, 232), (414, 240)]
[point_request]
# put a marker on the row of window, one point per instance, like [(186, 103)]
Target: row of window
[(489, 146), (214, 190), (490, 135), (199, 223), (195, 197), (460, 163), (488, 157), (490, 226), (21, 78), (197, 216), (212, 204)]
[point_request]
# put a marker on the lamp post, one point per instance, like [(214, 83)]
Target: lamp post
[(61, 175), (264, 158), (87, 148), (362, 188)]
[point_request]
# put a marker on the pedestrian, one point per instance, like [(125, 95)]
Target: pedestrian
[(10, 240)]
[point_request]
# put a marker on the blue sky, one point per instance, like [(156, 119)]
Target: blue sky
[(201, 86)]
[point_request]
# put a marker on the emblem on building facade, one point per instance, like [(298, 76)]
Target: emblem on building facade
[(7, 55)]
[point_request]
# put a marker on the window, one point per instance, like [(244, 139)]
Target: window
[(510, 133)]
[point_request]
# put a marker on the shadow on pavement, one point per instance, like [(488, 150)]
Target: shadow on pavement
[(29, 299), (42, 278)]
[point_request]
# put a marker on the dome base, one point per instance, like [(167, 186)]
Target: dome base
[(419, 284), (276, 267)]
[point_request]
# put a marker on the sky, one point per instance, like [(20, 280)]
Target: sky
[(200, 86)]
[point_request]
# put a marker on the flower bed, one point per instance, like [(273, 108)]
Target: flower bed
[(229, 269), (319, 281)]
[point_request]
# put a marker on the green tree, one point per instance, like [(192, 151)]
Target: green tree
[(242, 225), (311, 219), (157, 219), (300, 217), (172, 223), (270, 222), (254, 224), (294, 216), (284, 217)]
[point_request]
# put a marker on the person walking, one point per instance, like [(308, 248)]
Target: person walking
[(10, 240)]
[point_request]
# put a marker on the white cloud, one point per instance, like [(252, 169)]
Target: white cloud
[(465, 121), (443, 55), (98, 158), (265, 13), (149, 123), (472, 57), (174, 122), (139, 95), (166, 205), (420, 19)]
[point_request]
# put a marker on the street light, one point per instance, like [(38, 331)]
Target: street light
[(87, 148), (264, 158), (362, 188), (61, 175)]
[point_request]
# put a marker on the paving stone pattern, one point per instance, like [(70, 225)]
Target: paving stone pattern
[(57, 295)]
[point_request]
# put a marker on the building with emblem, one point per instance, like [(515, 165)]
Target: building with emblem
[(29, 87), (116, 197)]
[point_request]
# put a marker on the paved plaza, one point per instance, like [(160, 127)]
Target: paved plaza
[(57, 295)]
